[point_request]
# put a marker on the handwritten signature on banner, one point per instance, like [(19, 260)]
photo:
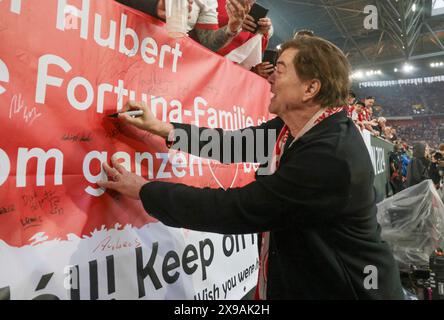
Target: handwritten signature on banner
[(116, 243), (31, 221), (7, 209), (48, 202), (19, 107), (78, 137)]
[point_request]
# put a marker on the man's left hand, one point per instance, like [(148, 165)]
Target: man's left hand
[(122, 181)]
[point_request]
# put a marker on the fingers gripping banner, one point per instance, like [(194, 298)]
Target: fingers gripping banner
[(65, 65)]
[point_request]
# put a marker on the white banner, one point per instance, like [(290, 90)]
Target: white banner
[(153, 262)]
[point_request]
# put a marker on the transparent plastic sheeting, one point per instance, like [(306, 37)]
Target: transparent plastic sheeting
[(412, 224)]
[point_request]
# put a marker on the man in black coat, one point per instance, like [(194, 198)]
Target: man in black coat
[(318, 202)]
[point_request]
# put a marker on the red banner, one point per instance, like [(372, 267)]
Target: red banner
[(63, 67)]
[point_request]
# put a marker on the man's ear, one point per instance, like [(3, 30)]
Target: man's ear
[(311, 89)]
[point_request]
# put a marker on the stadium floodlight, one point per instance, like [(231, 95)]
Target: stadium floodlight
[(437, 64), (358, 74), (407, 68)]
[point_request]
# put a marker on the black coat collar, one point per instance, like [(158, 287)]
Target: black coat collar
[(327, 125)]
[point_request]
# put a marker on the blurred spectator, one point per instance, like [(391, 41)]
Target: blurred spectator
[(434, 169), (358, 114), (394, 135), (381, 126), (369, 103), (405, 162), (350, 107), (351, 100), (369, 122), (247, 47), (203, 24), (439, 156), (396, 177), (388, 135), (417, 170), (441, 162), (303, 32)]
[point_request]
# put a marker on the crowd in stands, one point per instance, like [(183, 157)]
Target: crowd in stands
[(420, 106), (422, 129), (413, 159), (408, 100)]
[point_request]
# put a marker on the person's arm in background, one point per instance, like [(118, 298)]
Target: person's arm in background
[(264, 69), (369, 126), (215, 39), (265, 28)]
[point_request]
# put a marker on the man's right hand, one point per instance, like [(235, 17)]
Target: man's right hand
[(147, 121)]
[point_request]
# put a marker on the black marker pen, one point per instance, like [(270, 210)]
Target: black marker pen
[(133, 113)]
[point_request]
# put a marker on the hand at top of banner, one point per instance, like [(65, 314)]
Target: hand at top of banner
[(249, 24), (122, 181), (236, 14), (264, 25), (147, 121)]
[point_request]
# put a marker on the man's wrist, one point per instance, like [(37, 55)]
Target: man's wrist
[(163, 129)]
